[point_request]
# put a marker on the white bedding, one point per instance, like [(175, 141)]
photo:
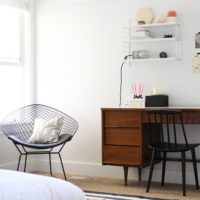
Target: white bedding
[(24, 186)]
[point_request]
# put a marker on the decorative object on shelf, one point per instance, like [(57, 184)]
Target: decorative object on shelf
[(163, 54), (141, 54), (171, 16), (161, 19), (167, 36), (141, 22), (141, 34), (144, 16), (144, 54)]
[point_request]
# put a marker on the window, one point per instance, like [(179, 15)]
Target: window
[(13, 71), (10, 35)]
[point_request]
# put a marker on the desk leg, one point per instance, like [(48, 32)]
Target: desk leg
[(139, 173), (125, 174)]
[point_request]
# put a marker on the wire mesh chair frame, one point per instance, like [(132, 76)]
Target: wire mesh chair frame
[(18, 127), (166, 120)]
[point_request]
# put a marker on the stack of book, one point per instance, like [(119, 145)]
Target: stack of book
[(141, 34)]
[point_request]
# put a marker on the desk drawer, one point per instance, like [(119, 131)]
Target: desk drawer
[(122, 136), (121, 155), (122, 118)]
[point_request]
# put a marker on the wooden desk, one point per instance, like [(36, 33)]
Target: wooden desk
[(125, 138)]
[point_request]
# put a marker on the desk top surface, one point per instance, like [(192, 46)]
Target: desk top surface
[(189, 108)]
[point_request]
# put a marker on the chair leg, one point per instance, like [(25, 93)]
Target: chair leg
[(19, 160), (50, 163), (183, 172), (62, 166), (25, 162), (151, 170), (163, 168), (195, 168)]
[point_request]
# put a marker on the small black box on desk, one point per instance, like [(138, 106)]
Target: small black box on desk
[(158, 100)]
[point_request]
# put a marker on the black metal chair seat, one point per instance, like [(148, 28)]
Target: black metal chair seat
[(62, 139), (163, 124), (19, 126), (172, 147)]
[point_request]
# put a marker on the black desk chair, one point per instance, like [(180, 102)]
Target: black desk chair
[(19, 127), (164, 122)]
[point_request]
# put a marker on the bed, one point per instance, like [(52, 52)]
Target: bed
[(25, 186)]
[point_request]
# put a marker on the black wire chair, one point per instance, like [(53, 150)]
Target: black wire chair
[(18, 127), (164, 123)]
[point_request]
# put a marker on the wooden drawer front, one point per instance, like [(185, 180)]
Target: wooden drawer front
[(122, 118), (121, 155), (122, 136)]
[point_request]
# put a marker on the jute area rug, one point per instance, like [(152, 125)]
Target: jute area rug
[(134, 188)]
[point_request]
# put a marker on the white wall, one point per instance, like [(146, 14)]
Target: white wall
[(79, 50)]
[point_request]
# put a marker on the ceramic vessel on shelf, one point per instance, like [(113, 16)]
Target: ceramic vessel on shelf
[(171, 16), (141, 54)]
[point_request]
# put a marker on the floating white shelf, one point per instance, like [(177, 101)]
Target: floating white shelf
[(156, 43), (153, 25), (152, 59), (153, 40), (156, 25)]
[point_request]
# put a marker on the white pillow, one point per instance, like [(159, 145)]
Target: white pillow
[(46, 131)]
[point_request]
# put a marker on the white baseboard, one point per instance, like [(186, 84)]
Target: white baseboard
[(30, 166), (173, 172)]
